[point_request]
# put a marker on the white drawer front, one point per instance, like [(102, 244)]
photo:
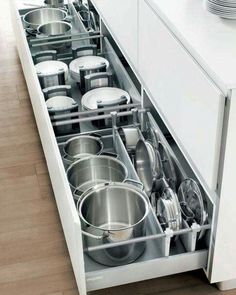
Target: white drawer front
[(121, 18), (189, 102)]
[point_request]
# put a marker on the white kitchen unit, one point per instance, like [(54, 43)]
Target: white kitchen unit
[(122, 19), (186, 76)]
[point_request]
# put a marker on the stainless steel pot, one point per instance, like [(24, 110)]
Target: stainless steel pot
[(88, 64), (111, 213), (88, 172), (53, 29), (148, 164), (52, 73), (80, 147), (37, 17), (58, 105), (54, 3)]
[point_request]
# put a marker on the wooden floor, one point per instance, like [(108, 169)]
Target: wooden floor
[(33, 254)]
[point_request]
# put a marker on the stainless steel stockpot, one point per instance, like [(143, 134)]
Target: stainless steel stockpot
[(58, 105), (113, 212), (88, 172), (51, 73), (37, 17), (53, 29), (80, 147)]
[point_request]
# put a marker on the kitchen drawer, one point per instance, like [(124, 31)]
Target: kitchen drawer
[(121, 18), (167, 252), (189, 103)]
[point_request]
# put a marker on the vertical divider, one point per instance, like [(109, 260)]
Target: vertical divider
[(163, 243)]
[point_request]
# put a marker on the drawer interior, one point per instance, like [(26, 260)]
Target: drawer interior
[(166, 251)]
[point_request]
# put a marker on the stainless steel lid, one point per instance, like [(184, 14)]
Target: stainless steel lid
[(87, 63), (103, 94), (51, 67), (60, 103)]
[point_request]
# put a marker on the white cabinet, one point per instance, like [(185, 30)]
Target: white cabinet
[(190, 104), (121, 18)]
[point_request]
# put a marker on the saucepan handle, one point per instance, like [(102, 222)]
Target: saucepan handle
[(114, 155), (134, 182), (105, 235)]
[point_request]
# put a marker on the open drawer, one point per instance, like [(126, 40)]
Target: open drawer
[(166, 251)]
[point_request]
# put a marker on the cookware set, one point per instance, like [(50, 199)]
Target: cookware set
[(114, 206)]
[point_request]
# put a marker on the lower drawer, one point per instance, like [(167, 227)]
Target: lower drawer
[(164, 254)]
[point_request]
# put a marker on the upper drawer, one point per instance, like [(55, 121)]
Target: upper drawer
[(190, 104), (121, 18)]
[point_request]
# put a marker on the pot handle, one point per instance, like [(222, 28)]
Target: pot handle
[(77, 194), (114, 155), (105, 235), (187, 213), (134, 182), (67, 160), (98, 135)]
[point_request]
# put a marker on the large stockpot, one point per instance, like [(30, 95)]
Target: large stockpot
[(53, 29), (80, 147), (148, 165), (51, 73), (37, 17), (113, 212), (88, 172)]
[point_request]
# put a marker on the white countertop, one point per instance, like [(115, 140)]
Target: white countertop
[(209, 39)]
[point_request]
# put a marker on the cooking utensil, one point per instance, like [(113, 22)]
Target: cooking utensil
[(53, 29), (168, 209), (58, 105), (86, 173), (113, 212), (130, 137), (51, 73), (167, 165), (190, 193), (80, 147), (90, 64), (148, 165), (54, 3), (187, 213), (37, 17), (154, 137), (105, 95)]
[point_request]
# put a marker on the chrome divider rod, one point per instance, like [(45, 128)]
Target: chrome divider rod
[(62, 37), (143, 239), (108, 109), (67, 40), (94, 118)]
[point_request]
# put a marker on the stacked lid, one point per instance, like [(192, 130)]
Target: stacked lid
[(86, 63), (61, 103), (222, 8), (51, 67), (105, 96)]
